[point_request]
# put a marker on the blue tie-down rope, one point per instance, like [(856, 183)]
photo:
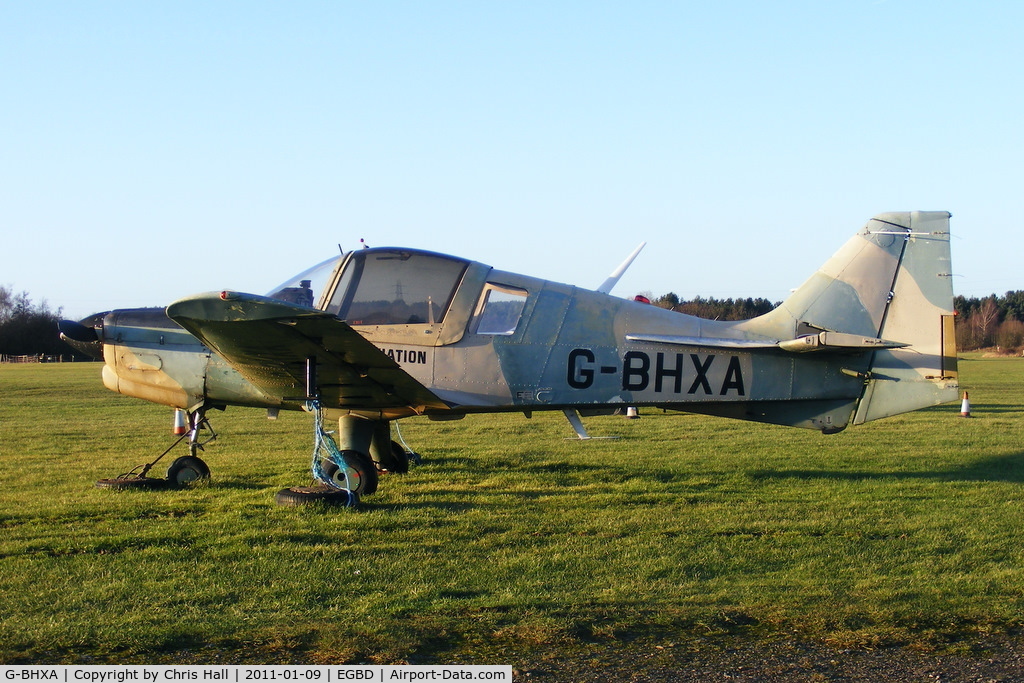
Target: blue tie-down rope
[(324, 447)]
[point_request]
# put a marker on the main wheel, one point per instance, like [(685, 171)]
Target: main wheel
[(362, 474), (187, 470), (396, 462)]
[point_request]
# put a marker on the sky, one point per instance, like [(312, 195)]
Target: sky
[(153, 150)]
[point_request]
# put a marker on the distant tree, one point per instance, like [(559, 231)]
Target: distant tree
[(27, 330), (1012, 305), (984, 322), (6, 303), (1010, 335), (669, 301)]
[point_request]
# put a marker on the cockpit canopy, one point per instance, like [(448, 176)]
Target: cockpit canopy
[(306, 288), (396, 287), (407, 296)]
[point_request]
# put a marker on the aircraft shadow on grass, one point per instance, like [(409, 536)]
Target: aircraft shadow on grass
[(998, 408), (1008, 467)]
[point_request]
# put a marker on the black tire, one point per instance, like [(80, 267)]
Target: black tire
[(362, 473), (395, 462), (132, 483), (187, 470), (298, 496)]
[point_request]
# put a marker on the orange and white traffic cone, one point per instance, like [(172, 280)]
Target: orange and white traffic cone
[(965, 407), (179, 422)]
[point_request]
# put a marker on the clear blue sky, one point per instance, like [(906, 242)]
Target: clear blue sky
[(151, 150)]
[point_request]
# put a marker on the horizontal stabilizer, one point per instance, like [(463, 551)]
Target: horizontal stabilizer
[(837, 342), (705, 342), (823, 342)]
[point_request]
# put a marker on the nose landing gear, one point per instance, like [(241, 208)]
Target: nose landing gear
[(184, 471), (187, 470)]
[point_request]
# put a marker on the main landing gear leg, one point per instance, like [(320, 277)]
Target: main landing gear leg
[(342, 466), (387, 455), (355, 436)]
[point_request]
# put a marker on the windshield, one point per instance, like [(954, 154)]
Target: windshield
[(305, 288), (396, 287)]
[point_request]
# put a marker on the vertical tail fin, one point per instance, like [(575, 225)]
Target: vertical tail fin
[(852, 291), (920, 314), (892, 281)]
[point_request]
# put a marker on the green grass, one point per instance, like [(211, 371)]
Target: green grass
[(509, 540)]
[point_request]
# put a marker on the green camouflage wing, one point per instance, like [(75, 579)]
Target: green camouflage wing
[(268, 342)]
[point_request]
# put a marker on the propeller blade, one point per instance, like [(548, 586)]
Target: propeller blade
[(77, 331)]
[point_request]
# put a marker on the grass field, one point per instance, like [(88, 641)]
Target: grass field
[(509, 540)]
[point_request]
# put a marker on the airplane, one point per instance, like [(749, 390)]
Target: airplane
[(394, 333)]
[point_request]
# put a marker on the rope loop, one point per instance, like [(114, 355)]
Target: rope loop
[(324, 448)]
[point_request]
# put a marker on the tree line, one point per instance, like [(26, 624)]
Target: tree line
[(981, 322), (28, 329), (715, 309), (991, 321)]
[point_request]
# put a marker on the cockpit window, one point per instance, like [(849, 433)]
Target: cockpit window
[(305, 288), (396, 287), (500, 309)]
